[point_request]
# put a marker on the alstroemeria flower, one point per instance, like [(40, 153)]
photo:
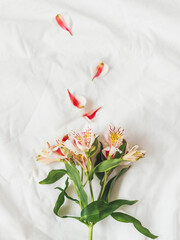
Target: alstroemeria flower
[(53, 153), (82, 141), (133, 154), (98, 69), (49, 155), (90, 115), (78, 101), (114, 137), (60, 20)]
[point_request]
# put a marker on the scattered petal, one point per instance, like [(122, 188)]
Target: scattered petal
[(99, 70), (60, 20), (90, 115), (78, 102)]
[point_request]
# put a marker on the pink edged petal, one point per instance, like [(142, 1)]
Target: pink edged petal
[(78, 102), (106, 151), (90, 115), (60, 18), (114, 150), (76, 147), (98, 69), (59, 152), (48, 160)]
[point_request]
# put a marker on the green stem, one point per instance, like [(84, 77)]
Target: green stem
[(81, 174), (90, 232), (86, 180), (103, 185), (78, 196), (91, 191)]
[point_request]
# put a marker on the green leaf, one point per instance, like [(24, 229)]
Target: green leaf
[(122, 217), (75, 177), (60, 199), (94, 147), (99, 158), (66, 195), (122, 148), (107, 165), (54, 176), (98, 210), (111, 183), (60, 202)]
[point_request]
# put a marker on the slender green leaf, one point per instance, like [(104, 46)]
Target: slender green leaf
[(122, 148), (98, 210), (75, 177), (111, 183), (54, 176), (66, 195), (60, 199), (107, 165), (122, 217), (60, 202)]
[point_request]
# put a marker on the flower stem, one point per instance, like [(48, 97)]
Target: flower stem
[(103, 185), (90, 232), (81, 174), (92, 195), (85, 181)]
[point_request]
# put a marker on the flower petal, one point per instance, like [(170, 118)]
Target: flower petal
[(60, 20), (106, 151), (90, 115), (48, 160), (79, 102), (99, 69)]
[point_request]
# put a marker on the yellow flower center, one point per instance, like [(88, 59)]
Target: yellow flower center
[(115, 136)]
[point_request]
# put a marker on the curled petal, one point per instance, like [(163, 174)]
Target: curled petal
[(99, 70), (90, 115), (60, 20), (133, 154), (79, 102), (47, 160), (65, 138)]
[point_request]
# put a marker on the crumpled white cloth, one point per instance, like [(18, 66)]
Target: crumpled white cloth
[(139, 40)]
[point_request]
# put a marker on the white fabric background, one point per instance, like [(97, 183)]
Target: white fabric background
[(140, 41)]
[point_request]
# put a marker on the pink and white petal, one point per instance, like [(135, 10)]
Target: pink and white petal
[(91, 114), (48, 160), (82, 100), (114, 150), (93, 69), (133, 149), (106, 151), (68, 144), (62, 22), (78, 102)]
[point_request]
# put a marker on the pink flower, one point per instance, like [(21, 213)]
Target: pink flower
[(82, 141), (53, 153), (114, 137)]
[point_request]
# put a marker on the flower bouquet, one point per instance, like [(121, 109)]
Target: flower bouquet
[(85, 157)]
